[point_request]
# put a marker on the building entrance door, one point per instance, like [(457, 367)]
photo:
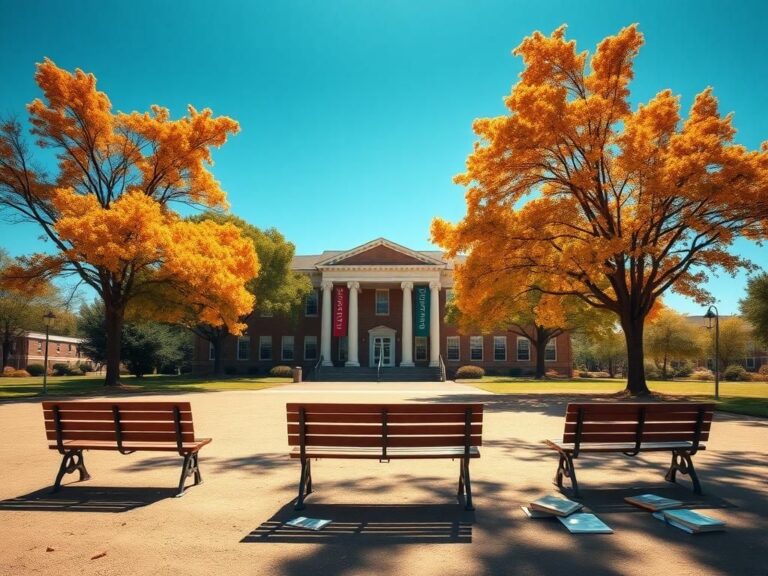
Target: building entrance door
[(382, 347)]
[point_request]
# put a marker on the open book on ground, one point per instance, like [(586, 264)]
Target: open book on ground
[(652, 502), (308, 523), (557, 505), (583, 523), (535, 513)]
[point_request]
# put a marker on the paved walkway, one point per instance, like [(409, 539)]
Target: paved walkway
[(396, 518)]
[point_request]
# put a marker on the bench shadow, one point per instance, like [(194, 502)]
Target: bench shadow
[(354, 524), (87, 499)]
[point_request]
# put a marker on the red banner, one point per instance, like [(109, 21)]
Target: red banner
[(340, 310)]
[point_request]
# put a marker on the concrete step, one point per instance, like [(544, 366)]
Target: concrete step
[(365, 374)]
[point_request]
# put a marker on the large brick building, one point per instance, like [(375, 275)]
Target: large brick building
[(378, 300), (29, 348)]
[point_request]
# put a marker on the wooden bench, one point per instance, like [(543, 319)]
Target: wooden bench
[(631, 428), (127, 427), (385, 432)]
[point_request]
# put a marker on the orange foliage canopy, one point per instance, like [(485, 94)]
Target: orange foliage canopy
[(573, 193), (108, 209)]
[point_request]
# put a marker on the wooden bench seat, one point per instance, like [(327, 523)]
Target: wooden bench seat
[(630, 428), (126, 427), (384, 432)]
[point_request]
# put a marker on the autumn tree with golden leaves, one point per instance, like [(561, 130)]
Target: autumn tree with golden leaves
[(108, 210), (611, 205)]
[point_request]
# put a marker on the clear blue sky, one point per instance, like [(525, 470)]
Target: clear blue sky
[(356, 114)]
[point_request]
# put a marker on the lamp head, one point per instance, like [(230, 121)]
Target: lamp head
[(49, 318)]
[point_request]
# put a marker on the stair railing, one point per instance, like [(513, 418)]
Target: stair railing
[(442, 369), (316, 371)]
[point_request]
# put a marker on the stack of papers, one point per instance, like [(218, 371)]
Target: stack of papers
[(556, 505), (566, 512), (652, 502), (690, 521)]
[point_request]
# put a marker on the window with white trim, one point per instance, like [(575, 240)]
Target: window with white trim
[(523, 349), (750, 362), (39, 346), (475, 347), (421, 348), (265, 347), (311, 303), (550, 352), (58, 347), (500, 348), (287, 352), (382, 302), (243, 347), (453, 348), (310, 347)]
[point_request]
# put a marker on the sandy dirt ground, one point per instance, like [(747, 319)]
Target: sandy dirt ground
[(395, 518)]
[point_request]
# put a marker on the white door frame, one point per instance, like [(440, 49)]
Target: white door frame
[(382, 332)]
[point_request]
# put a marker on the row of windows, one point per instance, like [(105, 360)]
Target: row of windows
[(312, 303), (58, 346), (477, 353), (453, 348)]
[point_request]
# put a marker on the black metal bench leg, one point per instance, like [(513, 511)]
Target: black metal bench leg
[(309, 477), (198, 476), (467, 485), (303, 481), (460, 491), (682, 461), (71, 461), (566, 468), (188, 468)]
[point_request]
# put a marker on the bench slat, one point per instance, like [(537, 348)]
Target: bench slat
[(375, 417), (392, 453), (377, 408), (129, 426), (392, 430), (630, 437), (127, 436), (622, 446), (123, 405), (587, 427), (106, 415), (397, 441), (156, 447)]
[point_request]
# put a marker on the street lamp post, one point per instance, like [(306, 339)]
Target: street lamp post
[(712, 313), (48, 318)]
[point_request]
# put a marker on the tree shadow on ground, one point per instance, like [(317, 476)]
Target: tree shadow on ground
[(87, 499), (363, 525)]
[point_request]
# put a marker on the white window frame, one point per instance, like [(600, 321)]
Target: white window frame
[(526, 340), (499, 339), (416, 341), (240, 340), (316, 296), (283, 341), (448, 341), (262, 340), (376, 302), (311, 338), (750, 362), (473, 346), (39, 345), (551, 347)]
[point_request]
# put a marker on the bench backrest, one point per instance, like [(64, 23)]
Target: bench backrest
[(638, 422), (118, 422), (385, 425)]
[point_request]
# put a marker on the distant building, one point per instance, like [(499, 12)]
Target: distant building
[(378, 303), (30, 349)]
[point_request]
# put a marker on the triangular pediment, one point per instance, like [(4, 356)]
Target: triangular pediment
[(380, 252)]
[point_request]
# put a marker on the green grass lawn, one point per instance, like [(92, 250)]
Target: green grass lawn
[(737, 397), (92, 385)]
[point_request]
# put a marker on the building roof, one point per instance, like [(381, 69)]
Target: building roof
[(307, 262), (53, 337)]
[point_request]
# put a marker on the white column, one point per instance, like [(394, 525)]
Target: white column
[(352, 357), (434, 324), (325, 323), (407, 336)]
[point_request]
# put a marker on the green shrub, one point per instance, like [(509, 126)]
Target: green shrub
[(469, 373), (683, 370), (735, 373), (583, 374), (62, 369), (515, 371), (652, 372), (281, 371), (85, 367), (702, 374), (35, 369)]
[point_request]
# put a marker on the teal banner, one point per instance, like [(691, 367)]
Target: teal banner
[(421, 311)]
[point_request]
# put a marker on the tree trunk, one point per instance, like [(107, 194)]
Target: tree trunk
[(541, 348), (218, 361), (114, 324), (611, 369), (6, 351), (633, 333)]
